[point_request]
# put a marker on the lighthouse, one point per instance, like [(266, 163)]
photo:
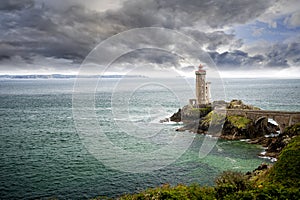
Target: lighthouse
[(202, 87)]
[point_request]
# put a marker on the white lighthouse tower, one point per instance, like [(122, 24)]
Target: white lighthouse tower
[(202, 87)]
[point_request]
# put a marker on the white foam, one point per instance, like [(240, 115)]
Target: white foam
[(272, 122), (272, 135), (263, 153), (244, 140), (269, 158), (173, 123)]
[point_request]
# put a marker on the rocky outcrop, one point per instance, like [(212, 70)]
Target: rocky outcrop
[(238, 104), (176, 117), (205, 120), (243, 128), (275, 145), (234, 127), (189, 113)]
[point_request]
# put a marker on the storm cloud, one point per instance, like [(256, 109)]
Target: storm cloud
[(31, 31)]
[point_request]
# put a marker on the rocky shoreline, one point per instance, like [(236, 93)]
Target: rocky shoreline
[(206, 120)]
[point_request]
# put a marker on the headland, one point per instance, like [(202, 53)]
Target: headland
[(234, 120)]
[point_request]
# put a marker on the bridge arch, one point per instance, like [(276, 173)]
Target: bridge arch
[(267, 117), (259, 119), (282, 118)]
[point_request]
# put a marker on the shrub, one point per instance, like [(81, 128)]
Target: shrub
[(239, 121), (286, 169), (180, 192), (292, 130), (230, 182)]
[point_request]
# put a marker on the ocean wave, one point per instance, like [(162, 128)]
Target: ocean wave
[(269, 158)]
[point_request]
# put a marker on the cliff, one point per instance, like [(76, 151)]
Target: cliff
[(204, 120), (275, 145)]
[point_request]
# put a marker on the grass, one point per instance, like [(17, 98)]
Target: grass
[(215, 118), (239, 121), (293, 130), (182, 192), (286, 170)]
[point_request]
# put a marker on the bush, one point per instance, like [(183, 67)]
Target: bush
[(267, 192), (230, 182), (239, 121), (292, 130), (286, 169), (179, 192)]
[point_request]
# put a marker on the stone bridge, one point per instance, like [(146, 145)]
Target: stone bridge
[(282, 118)]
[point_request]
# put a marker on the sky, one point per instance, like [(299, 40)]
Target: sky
[(244, 38)]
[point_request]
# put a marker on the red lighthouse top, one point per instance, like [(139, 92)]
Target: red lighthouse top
[(200, 68)]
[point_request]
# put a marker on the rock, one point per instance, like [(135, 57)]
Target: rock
[(203, 120), (278, 143), (176, 117), (265, 142), (189, 113), (238, 104), (262, 166)]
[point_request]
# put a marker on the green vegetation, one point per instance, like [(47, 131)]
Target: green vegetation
[(282, 181), (214, 118), (239, 121), (229, 186), (239, 104), (178, 192), (292, 130), (231, 182), (286, 170)]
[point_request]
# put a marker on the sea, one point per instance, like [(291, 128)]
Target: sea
[(80, 139)]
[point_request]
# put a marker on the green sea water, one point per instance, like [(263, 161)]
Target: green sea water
[(42, 155)]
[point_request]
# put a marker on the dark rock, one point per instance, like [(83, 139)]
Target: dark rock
[(263, 166), (200, 120), (262, 141), (176, 117), (191, 126), (278, 143)]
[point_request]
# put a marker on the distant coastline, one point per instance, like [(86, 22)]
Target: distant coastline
[(63, 76)]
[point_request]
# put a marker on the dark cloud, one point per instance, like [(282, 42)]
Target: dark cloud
[(236, 59), (278, 55), (2, 57), (187, 13), (36, 29), (215, 39), (9, 5), (283, 55), (73, 32)]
